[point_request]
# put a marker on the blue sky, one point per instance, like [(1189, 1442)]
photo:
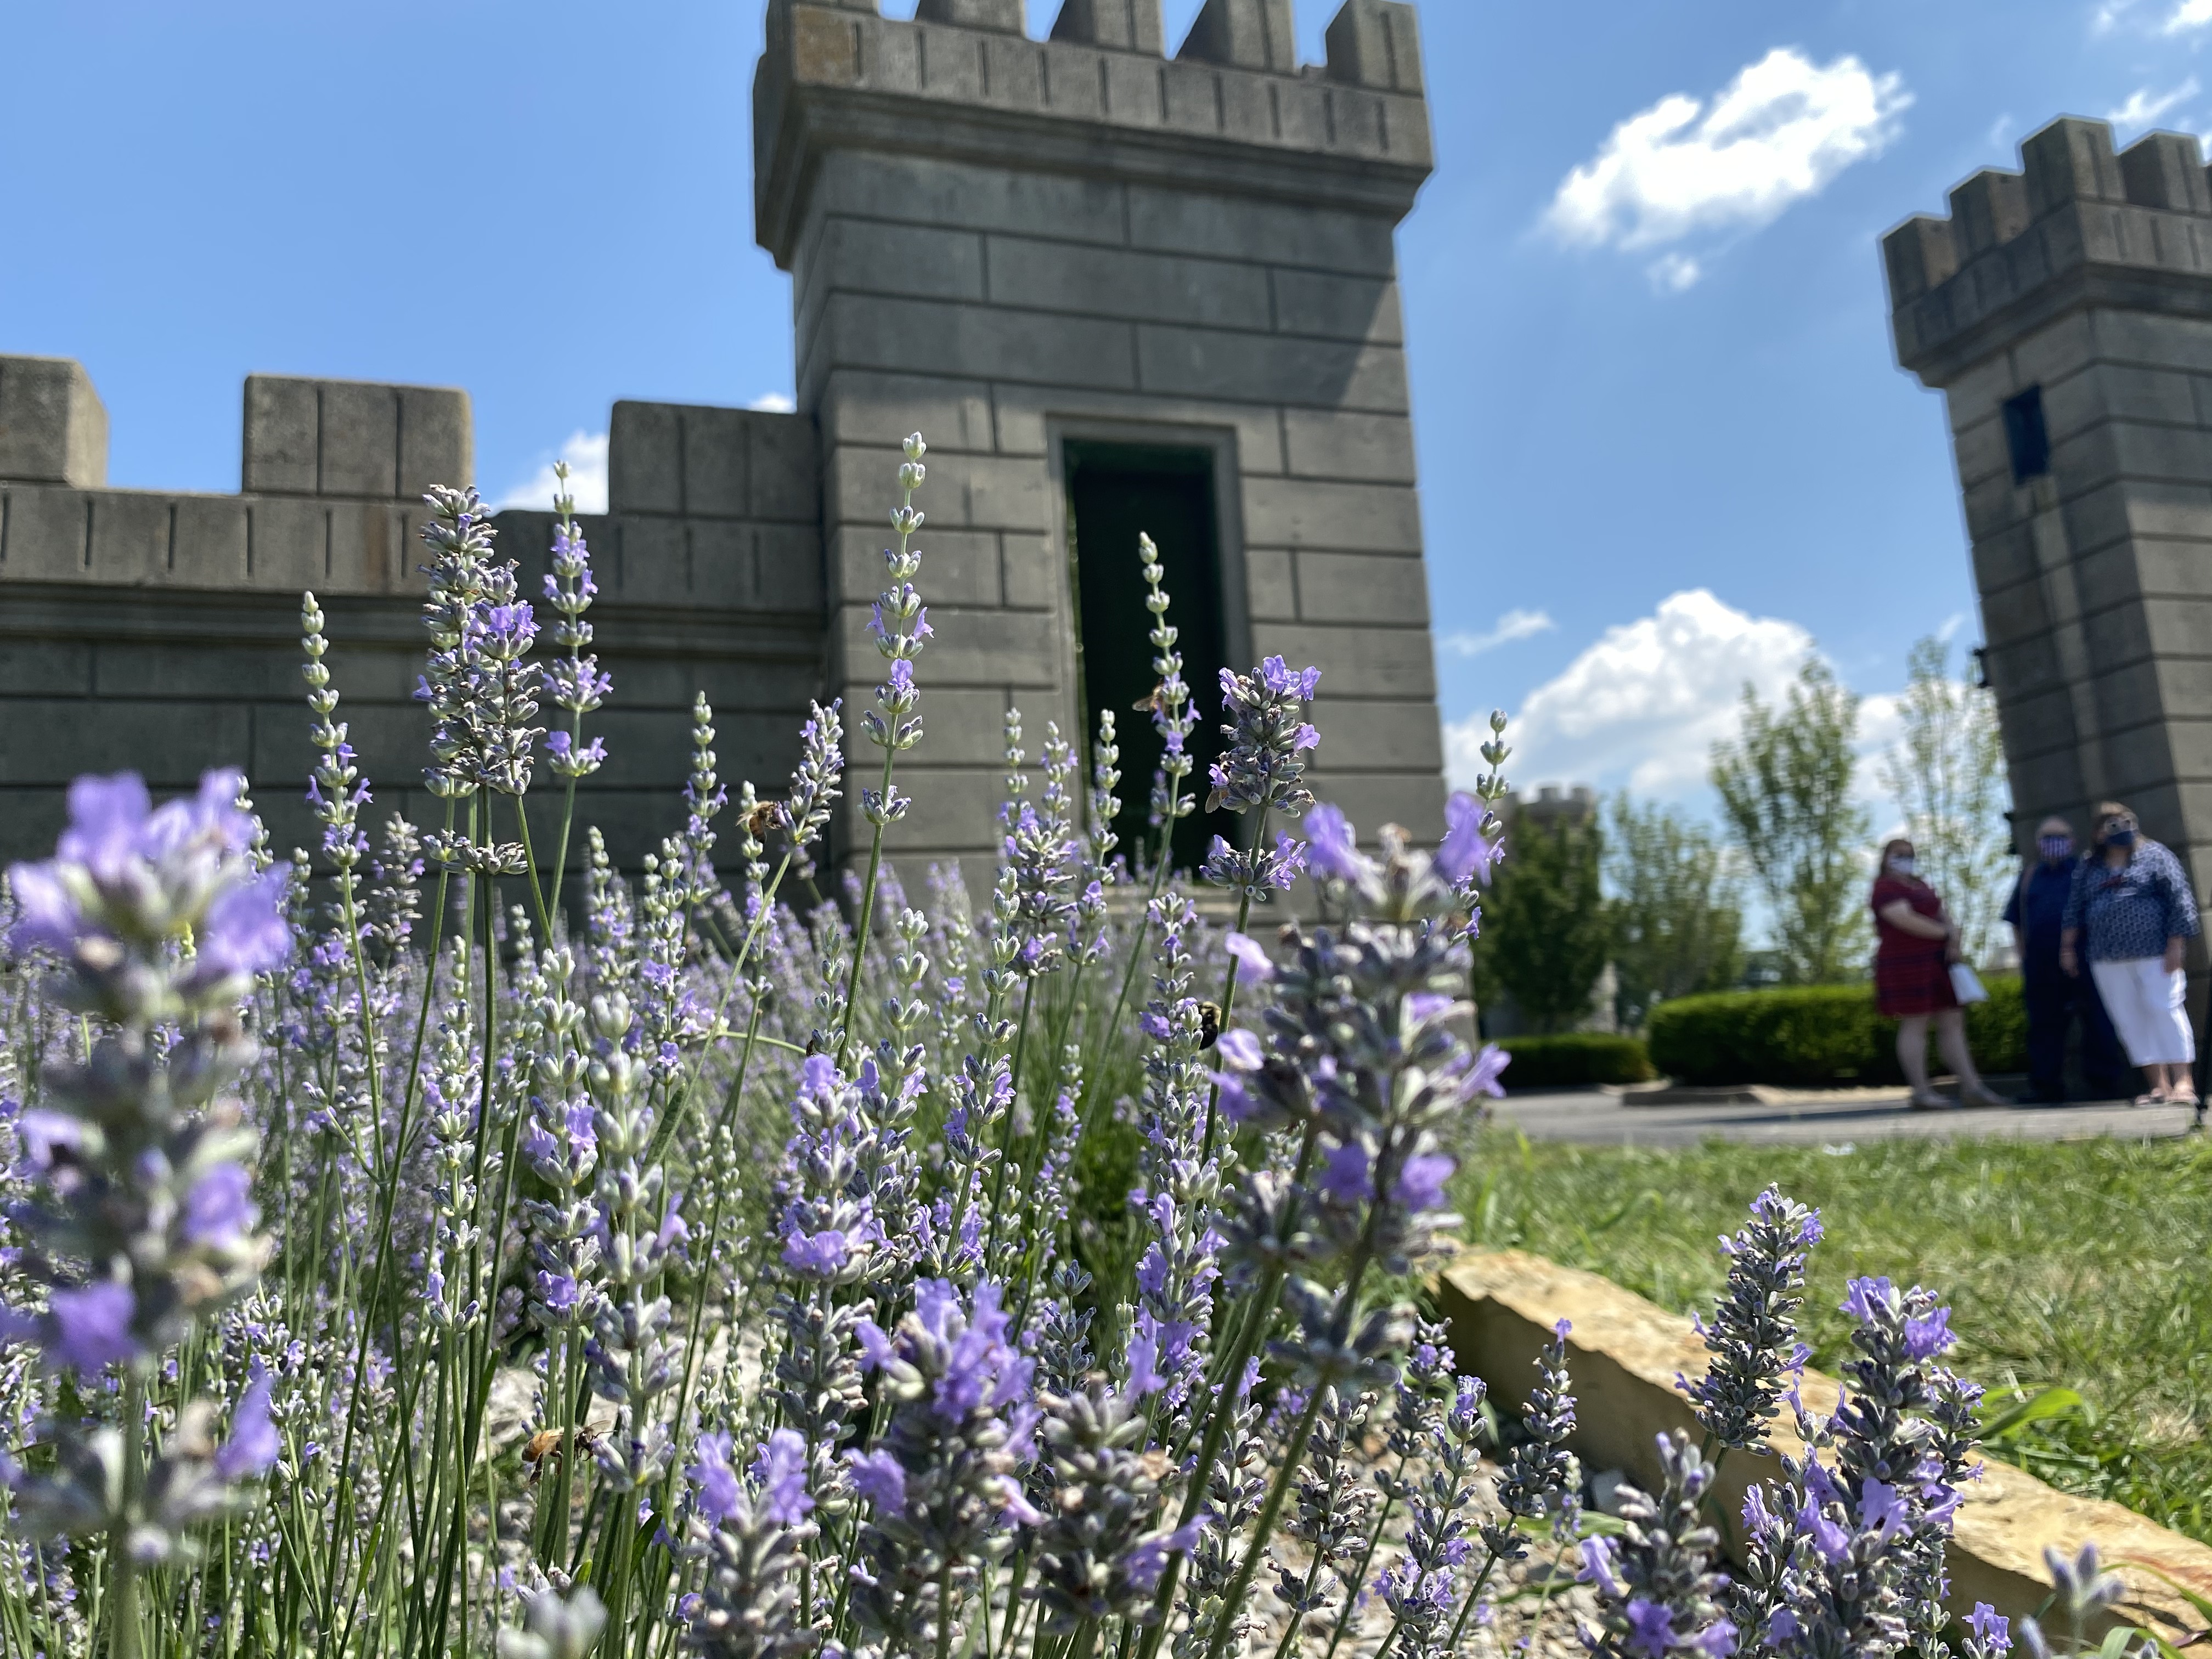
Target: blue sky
[(1667, 447)]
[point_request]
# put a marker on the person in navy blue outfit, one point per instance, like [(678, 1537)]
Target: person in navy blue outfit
[(2055, 998)]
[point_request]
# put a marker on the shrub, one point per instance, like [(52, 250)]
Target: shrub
[(1815, 1036), (1575, 1057)]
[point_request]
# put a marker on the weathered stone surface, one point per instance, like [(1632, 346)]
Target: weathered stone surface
[(54, 427), (1625, 1354)]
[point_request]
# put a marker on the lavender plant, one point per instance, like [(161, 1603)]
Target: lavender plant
[(406, 1253)]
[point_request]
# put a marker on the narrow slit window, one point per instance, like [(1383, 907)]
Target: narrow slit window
[(1114, 492), (2025, 436)]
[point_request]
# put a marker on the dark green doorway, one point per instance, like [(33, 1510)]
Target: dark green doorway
[(1115, 491)]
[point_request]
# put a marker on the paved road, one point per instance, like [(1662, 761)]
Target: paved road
[(1827, 1120)]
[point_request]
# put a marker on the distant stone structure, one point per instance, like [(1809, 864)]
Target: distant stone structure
[(1115, 291), (2065, 312)]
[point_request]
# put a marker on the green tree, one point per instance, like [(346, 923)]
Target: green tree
[(1785, 790), (1547, 927), (1947, 772), (1678, 917)]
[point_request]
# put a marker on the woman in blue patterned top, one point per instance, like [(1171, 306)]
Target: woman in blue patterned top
[(2132, 901)]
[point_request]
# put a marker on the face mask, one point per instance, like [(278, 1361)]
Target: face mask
[(2122, 836), (1902, 866), (2055, 847)]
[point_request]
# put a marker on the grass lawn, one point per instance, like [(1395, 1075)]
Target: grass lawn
[(2084, 1267)]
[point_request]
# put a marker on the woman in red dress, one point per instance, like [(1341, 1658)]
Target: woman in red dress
[(1912, 979)]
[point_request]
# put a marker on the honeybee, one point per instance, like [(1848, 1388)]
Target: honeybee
[(761, 819), (1152, 702), (546, 1442), (1209, 1023)]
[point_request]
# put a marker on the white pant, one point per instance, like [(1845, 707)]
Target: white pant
[(2145, 1002)]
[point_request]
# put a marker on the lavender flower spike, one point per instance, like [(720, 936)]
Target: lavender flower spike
[(1754, 1334)]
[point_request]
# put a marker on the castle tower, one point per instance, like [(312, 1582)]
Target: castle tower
[(2065, 313), (1117, 292)]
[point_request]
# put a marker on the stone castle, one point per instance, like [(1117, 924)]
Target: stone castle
[(1116, 291), (2065, 313)]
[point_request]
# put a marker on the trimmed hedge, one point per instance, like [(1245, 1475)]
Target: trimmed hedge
[(1574, 1058), (1816, 1036)]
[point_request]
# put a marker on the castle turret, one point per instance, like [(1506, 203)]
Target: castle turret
[(2065, 312), (1117, 292)]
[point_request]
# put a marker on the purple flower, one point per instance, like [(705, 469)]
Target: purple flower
[(1347, 1175), (217, 1211), (1332, 851), (1928, 1335), (1833, 1542), (1425, 1005), (254, 1445), (1783, 1626), (1882, 1508), (1990, 1628), (1421, 1182), (92, 1328), (1600, 1567), (825, 1252), (245, 932), (558, 1291), (1148, 1556), (45, 916), (877, 1477), (718, 1497), (44, 1132), (1651, 1628), (1867, 1300), (781, 1468), (1143, 1362), (1464, 852), (1482, 1077), (1240, 1048)]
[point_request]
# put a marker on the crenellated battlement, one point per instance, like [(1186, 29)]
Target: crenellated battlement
[(1099, 95), (2079, 224)]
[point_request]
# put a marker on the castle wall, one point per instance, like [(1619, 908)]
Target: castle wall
[(159, 632), (1007, 243), (2087, 280)]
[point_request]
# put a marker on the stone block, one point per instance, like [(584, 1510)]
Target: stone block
[(1013, 71), (1376, 43), (645, 463), (962, 726), (1362, 587), (1326, 374), (1920, 254), (54, 427), (1025, 414), (2171, 454), (130, 537), (44, 533), (1342, 517), (785, 468), (1413, 799), (787, 569), (1989, 209), (283, 433), (1345, 445), (959, 567), (1270, 584), (977, 492), (2174, 627), (208, 542), (1362, 735), (1338, 307), (656, 561), (1994, 505), (716, 478), (1004, 15), (868, 406), (1625, 1354), (1356, 660), (47, 668), (2166, 170), (2071, 161), (929, 190), (49, 741), (288, 542), (1019, 648), (359, 451), (1180, 220), (1135, 89), (1252, 35), (1982, 451), (1163, 288), (2005, 559), (1121, 25), (1032, 575), (919, 261), (911, 336), (2058, 350), (437, 440), (369, 550), (2177, 569), (2143, 337), (213, 670)]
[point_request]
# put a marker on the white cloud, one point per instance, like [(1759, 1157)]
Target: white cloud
[(2188, 15), (1644, 706), (1513, 625), (585, 453), (773, 402), (2144, 106), (1777, 133), (1672, 272)]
